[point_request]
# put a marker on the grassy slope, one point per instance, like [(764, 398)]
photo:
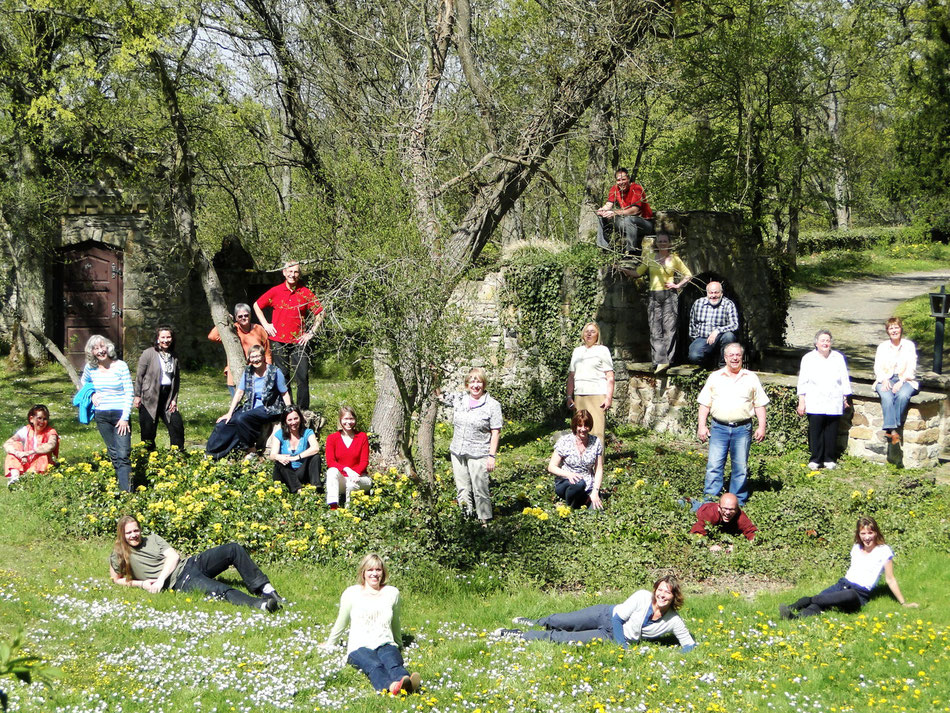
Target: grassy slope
[(826, 268), (211, 656)]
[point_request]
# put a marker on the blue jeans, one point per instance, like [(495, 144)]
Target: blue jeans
[(631, 227), (200, 571), (735, 442), (582, 625), (382, 666), (119, 447), (700, 351), (574, 494), (894, 405)]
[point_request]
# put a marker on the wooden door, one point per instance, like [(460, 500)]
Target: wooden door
[(92, 298)]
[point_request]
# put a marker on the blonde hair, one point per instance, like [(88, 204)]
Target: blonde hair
[(371, 560), (122, 547), (479, 374), (595, 326)]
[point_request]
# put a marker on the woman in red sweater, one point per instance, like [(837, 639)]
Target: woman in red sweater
[(347, 459)]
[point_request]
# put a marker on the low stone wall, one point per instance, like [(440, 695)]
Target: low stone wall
[(659, 404)]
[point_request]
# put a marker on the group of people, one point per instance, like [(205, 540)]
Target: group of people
[(371, 608)]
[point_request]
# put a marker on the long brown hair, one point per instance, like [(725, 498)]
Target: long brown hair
[(870, 523), (121, 548)]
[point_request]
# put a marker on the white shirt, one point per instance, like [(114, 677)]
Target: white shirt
[(866, 567), (373, 618), (900, 360), (634, 611), (590, 366), (824, 382)]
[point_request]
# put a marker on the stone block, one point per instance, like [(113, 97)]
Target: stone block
[(924, 436), (860, 419), (861, 433)]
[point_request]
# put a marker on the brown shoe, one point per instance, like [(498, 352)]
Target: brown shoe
[(415, 683), (894, 437)]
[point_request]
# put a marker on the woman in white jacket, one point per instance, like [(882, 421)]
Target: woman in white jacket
[(644, 615), (823, 390)]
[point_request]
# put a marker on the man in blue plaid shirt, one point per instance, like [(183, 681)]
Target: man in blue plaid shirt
[(713, 323)]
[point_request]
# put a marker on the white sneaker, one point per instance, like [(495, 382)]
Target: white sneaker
[(830, 465), (813, 466)]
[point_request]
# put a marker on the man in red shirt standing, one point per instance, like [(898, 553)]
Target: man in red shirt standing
[(626, 212), (288, 332)]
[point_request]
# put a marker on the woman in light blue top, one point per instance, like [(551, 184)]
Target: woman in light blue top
[(295, 451), (113, 402)]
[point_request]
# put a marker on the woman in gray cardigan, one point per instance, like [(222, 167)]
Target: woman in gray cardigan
[(645, 615), (157, 379)]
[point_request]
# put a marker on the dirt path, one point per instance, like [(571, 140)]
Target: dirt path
[(855, 312)]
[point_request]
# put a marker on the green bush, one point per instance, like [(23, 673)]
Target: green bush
[(860, 238), (197, 503)]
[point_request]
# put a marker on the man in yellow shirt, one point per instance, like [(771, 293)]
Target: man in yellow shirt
[(732, 396)]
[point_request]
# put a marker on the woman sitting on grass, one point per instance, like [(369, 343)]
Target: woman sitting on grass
[(295, 451), (371, 608), (645, 615), (869, 557), (577, 464), (32, 448)]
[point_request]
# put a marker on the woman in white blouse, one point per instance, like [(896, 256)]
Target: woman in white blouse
[(895, 365), (590, 379), (644, 615), (823, 390), (371, 609)]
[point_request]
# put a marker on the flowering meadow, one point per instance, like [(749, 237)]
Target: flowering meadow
[(124, 650)]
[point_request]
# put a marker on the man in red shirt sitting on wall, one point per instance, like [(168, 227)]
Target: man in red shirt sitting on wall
[(288, 331), (626, 212)]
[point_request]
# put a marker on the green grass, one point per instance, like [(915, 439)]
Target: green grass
[(123, 650), (826, 268), (919, 326)]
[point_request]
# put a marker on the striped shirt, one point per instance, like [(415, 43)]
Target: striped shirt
[(113, 387)]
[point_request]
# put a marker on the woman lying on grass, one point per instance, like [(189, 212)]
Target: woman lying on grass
[(371, 608), (645, 615), (869, 556), (150, 563)]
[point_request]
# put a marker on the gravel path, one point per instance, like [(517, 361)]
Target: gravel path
[(855, 312)]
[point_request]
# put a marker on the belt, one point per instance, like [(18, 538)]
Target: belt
[(732, 424)]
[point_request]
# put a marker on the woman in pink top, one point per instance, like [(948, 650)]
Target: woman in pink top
[(32, 448), (347, 459)]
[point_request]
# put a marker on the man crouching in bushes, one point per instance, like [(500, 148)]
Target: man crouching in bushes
[(148, 562)]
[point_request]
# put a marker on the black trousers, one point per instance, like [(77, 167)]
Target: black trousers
[(148, 426), (296, 478), (574, 494), (823, 437), (843, 595), (200, 571), (294, 361)]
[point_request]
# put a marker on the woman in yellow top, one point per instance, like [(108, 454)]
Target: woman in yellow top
[(668, 275)]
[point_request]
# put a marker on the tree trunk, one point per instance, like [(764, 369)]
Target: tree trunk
[(389, 417), (795, 192), (426, 440), (833, 108), (183, 217), (600, 139), (25, 240)]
